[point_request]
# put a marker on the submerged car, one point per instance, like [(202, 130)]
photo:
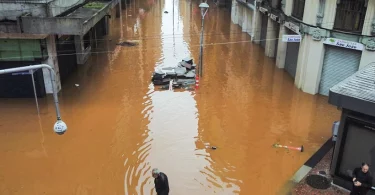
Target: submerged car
[(183, 73)]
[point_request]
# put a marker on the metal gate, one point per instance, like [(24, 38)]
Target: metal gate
[(291, 57), (263, 31), (339, 64)]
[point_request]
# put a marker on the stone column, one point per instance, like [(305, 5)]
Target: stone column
[(288, 7), (82, 53), (329, 14), (309, 65), (244, 19), (367, 55), (250, 27), (257, 25), (369, 18), (53, 62), (367, 58), (270, 49), (281, 48), (234, 12), (311, 11)]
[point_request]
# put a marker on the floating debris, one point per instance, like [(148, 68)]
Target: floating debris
[(165, 12), (77, 85), (129, 43), (211, 147), (288, 147)]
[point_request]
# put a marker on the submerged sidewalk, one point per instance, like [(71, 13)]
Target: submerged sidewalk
[(315, 172), (302, 188)]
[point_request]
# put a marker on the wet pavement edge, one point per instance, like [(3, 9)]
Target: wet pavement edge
[(306, 167)]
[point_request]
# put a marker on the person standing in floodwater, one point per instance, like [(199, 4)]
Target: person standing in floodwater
[(362, 180), (161, 182)]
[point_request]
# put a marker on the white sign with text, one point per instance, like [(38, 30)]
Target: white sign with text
[(291, 38), (344, 44)]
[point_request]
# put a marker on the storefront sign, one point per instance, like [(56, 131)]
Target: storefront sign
[(292, 27), (291, 38), (274, 17), (344, 44), (263, 10)]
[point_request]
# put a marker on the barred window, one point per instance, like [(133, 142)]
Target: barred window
[(350, 15)]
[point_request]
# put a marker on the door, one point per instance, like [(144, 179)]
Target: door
[(263, 31), (277, 40), (338, 64), (291, 58)]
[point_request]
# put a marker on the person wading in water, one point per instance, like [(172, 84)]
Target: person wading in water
[(161, 182), (362, 180)]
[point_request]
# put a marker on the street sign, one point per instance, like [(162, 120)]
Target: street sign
[(263, 10), (274, 17), (344, 44), (291, 38)]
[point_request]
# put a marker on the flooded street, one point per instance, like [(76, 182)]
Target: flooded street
[(120, 126)]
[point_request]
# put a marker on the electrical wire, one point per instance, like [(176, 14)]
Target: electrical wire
[(139, 50)]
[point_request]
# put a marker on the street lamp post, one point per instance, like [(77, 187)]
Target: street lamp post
[(60, 127), (204, 8)]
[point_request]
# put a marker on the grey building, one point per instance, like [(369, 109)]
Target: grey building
[(356, 135), (59, 33)]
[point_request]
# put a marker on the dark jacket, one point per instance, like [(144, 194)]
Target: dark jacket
[(364, 178), (161, 184)]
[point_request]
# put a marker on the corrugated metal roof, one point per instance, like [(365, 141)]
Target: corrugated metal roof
[(360, 85)]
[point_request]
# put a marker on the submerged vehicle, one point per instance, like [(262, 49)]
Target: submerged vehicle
[(182, 74)]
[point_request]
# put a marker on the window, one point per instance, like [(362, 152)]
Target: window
[(350, 15), (276, 4), (298, 9)]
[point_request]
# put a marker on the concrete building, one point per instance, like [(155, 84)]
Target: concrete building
[(356, 133), (318, 42), (60, 33)]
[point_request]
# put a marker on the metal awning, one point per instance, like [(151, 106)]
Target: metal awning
[(78, 22), (357, 92)]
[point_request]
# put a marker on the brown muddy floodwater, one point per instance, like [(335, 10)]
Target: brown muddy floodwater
[(120, 126)]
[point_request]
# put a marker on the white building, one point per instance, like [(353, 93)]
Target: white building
[(336, 37)]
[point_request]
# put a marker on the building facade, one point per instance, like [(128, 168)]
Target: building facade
[(318, 42), (355, 142), (60, 33)]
